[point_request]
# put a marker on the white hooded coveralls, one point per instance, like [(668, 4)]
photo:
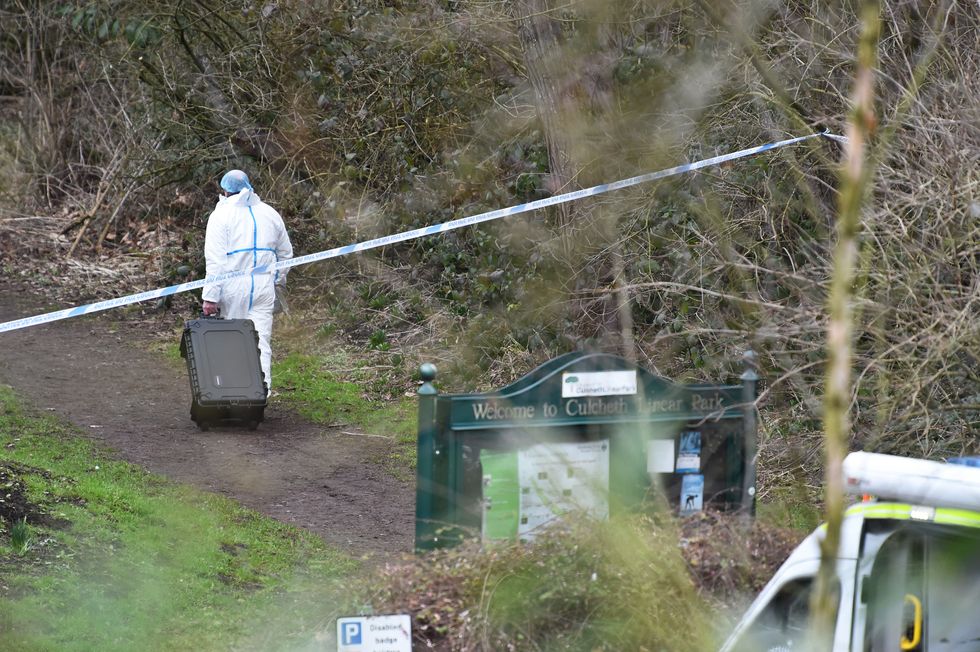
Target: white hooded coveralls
[(244, 232)]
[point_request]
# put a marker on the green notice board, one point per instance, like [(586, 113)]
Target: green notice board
[(585, 432)]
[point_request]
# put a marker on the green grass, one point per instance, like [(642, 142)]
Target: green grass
[(791, 507), (307, 384), (171, 352), (20, 536), (141, 563)]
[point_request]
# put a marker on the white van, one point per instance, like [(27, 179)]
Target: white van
[(908, 566)]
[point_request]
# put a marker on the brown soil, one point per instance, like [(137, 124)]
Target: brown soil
[(98, 372), (15, 506)]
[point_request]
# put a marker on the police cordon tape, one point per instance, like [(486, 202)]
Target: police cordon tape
[(86, 309)]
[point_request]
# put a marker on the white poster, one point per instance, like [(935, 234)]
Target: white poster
[(559, 478), (660, 456)]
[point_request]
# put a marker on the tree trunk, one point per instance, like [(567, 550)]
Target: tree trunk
[(540, 36)]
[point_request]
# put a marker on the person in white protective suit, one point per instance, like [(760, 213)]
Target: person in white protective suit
[(243, 233)]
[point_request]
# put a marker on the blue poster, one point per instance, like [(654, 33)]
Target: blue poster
[(692, 494), (689, 452)]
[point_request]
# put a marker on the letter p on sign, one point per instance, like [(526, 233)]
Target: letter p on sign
[(350, 632)]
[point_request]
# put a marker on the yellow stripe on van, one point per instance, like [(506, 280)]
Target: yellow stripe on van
[(962, 517), (900, 512)]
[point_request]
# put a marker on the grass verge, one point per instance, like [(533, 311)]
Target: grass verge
[(308, 384), (98, 554)]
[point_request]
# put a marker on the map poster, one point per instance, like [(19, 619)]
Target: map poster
[(526, 490), (559, 478)]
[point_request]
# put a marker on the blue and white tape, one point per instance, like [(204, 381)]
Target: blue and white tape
[(404, 236)]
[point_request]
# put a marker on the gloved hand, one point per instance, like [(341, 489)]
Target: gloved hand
[(210, 308), (280, 305)]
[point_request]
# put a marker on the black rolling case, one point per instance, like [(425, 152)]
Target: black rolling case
[(227, 384)]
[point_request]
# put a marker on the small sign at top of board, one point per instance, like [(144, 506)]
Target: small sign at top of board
[(375, 634), (598, 383)]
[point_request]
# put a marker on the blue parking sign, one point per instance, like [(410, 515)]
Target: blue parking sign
[(350, 631), (391, 633)]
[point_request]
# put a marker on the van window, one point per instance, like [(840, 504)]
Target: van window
[(782, 625), (925, 591), (896, 583), (952, 608)]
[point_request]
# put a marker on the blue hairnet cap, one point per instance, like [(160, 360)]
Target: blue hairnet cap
[(234, 181)]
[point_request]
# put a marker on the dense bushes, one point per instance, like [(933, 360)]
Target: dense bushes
[(643, 583), (364, 118)]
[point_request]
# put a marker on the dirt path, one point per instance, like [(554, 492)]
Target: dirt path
[(92, 371)]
